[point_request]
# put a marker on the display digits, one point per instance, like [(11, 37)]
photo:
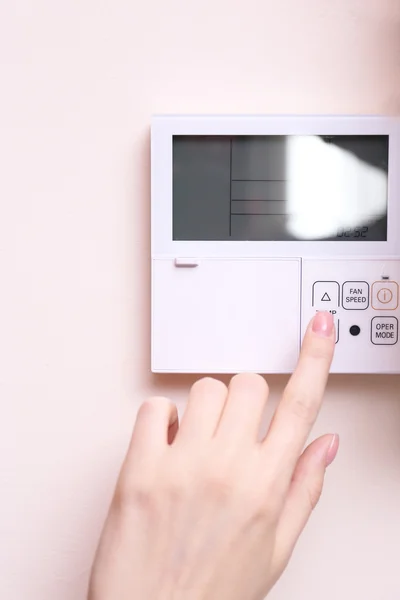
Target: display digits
[(352, 232)]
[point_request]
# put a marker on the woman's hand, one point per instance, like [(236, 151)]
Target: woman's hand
[(205, 510)]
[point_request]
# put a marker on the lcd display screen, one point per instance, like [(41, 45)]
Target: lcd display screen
[(280, 188)]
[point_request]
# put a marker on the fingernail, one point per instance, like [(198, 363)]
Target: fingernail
[(323, 323), (332, 450)]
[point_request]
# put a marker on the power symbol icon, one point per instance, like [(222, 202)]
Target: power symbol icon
[(385, 296)]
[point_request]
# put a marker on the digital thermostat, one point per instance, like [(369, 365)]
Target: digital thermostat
[(260, 221)]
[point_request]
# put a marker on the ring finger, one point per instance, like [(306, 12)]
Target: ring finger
[(205, 405), (241, 418)]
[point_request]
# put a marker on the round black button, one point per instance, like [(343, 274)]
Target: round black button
[(355, 330)]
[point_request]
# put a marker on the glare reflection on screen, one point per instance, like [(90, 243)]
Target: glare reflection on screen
[(280, 187), (329, 188)]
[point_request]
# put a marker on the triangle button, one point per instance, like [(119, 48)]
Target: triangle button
[(325, 298)]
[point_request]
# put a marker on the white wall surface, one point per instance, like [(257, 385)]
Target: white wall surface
[(79, 81)]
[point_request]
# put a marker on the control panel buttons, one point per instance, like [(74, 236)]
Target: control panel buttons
[(339, 297), (325, 295), (385, 295), (363, 295), (355, 295), (384, 331)]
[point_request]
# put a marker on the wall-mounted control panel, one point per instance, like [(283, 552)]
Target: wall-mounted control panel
[(257, 223)]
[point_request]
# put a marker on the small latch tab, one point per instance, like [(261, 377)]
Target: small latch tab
[(188, 263)]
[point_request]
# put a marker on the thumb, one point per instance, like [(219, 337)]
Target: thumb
[(304, 493)]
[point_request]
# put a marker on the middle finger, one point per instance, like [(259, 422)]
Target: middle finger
[(242, 414)]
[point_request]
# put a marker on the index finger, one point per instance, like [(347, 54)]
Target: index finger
[(302, 398)]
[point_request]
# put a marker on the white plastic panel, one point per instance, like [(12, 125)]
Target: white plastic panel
[(236, 302), (225, 316), (364, 296)]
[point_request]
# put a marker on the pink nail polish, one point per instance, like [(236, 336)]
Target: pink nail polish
[(332, 450), (323, 323)]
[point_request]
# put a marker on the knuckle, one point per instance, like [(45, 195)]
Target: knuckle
[(142, 497), (255, 503), (157, 407), (155, 403), (208, 386), (258, 507), (264, 514), (136, 494), (303, 407), (314, 493), (251, 502), (250, 380), (219, 485), (175, 480), (174, 489), (269, 503), (148, 494)]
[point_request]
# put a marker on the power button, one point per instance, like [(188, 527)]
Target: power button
[(385, 295)]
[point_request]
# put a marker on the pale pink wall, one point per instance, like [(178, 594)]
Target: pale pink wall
[(78, 83)]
